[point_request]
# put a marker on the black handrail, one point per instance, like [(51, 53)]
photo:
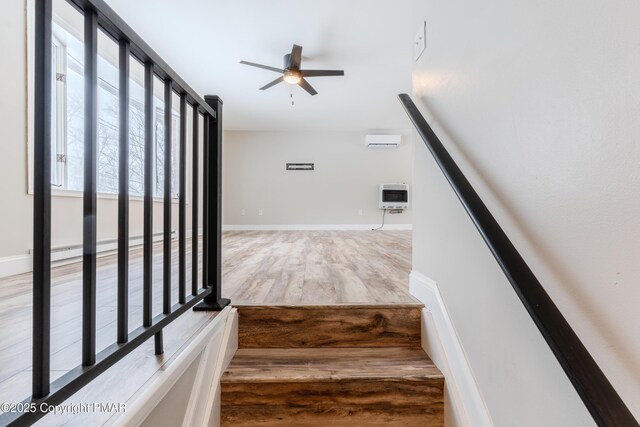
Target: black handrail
[(595, 390)]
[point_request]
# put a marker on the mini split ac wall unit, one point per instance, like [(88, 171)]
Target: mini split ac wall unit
[(383, 142)]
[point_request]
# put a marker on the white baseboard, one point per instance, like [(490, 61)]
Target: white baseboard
[(314, 227), (13, 265), (441, 342), (61, 255), (71, 253)]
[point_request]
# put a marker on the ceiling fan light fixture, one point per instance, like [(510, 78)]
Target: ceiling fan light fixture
[(292, 78), (292, 74)]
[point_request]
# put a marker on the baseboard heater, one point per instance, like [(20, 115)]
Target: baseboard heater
[(61, 254)]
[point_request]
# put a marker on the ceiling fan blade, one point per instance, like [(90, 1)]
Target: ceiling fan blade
[(273, 83), (264, 67), (296, 57), (306, 86), (321, 73)]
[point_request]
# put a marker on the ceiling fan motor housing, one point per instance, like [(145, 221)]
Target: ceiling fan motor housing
[(287, 62), (291, 74)]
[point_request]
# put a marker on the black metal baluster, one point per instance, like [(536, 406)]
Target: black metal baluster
[(159, 342), (166, 265), (42, 200), (149, 151), (194, 204), (97, 14), (90, 187), (213, 165), (215, 202), (182, 208), (205, 198), (123, 195)]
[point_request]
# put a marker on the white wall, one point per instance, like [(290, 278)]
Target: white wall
[(345, 179), (16, 223), (17, 213), (538, 101)]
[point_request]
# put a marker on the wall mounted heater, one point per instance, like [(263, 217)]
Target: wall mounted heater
[(385, 142), (393, 196)]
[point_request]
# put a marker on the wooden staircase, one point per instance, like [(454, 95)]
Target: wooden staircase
[(331, 366)]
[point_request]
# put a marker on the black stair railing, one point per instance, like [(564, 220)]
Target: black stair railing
[(595, 390), (98, 15)]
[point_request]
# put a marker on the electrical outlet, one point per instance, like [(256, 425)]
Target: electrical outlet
[(360, 212), (420, 41), (260, 212), (243, 212)]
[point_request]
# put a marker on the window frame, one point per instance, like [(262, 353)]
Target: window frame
[(59, 172), (60, 180), (58, 190)]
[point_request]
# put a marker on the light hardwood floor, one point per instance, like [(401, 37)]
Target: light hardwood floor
[(317, 267), (283, 267)]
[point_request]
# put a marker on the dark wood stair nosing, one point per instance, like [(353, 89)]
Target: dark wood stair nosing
[(404, 305)]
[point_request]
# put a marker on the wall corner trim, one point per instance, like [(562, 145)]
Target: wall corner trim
[(443, 345)]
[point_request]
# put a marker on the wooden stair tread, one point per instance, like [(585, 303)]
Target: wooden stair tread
[(329, 365), (338, 365)]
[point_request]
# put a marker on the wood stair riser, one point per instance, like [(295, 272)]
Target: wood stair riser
[(291, 327), (411, 403), (387, 394), (287, 415)]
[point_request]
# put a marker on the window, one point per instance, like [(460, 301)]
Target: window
[(68, 125), (159, 137), (58, 108)]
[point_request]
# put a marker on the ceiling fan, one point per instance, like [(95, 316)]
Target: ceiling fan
[(292, 73)]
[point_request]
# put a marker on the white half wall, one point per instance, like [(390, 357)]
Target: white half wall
[(538, 103), (170, 395), (345, 179)]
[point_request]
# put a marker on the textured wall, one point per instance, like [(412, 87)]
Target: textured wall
[(538, 101), (345, 180)]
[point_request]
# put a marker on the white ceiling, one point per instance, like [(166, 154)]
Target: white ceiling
[(203, 40)]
